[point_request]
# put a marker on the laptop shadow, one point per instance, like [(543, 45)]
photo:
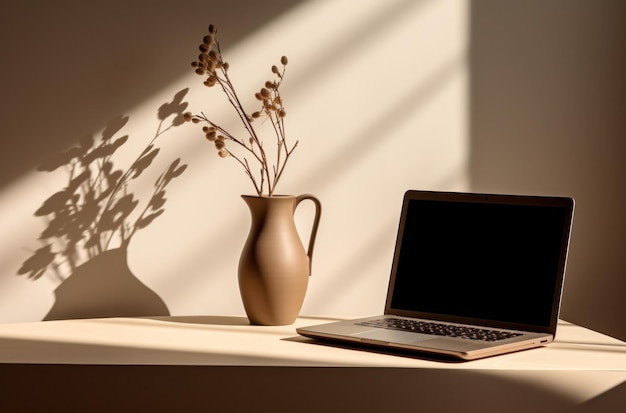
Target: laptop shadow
[(370, 348)]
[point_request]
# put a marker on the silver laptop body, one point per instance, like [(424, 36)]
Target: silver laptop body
[(473, 275)]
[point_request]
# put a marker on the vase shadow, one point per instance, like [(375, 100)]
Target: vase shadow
[(105, 287)]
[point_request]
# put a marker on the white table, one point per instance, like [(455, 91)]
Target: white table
[(200, 363)]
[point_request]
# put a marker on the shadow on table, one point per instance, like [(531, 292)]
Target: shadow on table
[(219, 320), (214, 320)]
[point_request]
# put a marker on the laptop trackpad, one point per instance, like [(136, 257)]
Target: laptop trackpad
[(384, 335)]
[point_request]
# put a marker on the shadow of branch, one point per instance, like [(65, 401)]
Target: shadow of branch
[(92, 220)]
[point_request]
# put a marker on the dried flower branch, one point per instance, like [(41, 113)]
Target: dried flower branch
[(211, 65)]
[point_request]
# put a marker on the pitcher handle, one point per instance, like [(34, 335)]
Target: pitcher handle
[(316, 222)]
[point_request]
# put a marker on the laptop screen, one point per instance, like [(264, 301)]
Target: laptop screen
[(468, 257)]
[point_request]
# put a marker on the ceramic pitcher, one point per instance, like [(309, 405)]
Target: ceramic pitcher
[(274, 267)]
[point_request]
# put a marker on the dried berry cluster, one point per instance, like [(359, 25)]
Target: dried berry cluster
[(211, 65)]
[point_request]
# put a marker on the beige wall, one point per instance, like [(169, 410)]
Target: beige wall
[(378, 100), (548, 116), (376, 94)]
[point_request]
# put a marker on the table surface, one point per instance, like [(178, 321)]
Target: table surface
[(580, 363)]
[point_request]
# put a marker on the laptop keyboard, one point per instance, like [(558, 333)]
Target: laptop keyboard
[(439, 329)]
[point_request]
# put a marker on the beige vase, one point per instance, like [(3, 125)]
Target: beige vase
[(274, 267)]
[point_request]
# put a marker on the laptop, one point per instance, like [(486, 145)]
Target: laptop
[(473, 275)]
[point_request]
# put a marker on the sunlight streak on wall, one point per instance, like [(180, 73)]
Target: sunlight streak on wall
[(379, 106)]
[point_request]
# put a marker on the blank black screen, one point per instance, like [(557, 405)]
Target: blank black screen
[(475, 260)]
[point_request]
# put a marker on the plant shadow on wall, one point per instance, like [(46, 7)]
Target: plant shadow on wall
[(91, 222)]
